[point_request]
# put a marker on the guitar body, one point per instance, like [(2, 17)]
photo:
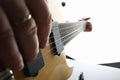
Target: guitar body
[(55, 67)]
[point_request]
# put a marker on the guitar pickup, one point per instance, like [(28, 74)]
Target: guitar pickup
[(56, 39)]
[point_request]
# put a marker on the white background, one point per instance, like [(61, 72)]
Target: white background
[(102, 45)]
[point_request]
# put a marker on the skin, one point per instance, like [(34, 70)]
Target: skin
[(25, 38)]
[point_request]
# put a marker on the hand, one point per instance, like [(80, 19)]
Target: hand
[(88, 27), (19, 36), (88, 24)]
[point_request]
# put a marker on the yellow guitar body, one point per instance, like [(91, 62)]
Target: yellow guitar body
[(55, 67)]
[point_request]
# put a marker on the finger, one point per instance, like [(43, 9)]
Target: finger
[(42, 16), (9, 53), (25, 33), (88, 27)]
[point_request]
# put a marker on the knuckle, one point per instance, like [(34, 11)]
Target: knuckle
[(32, 30), (28, 28)]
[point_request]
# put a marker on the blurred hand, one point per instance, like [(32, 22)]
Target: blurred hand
[(88, 24), (20, 36)]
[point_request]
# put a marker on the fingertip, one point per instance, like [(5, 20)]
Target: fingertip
[(43, 43), (15, 62), (88, 27), (18, 68)]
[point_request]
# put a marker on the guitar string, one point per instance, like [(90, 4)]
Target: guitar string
[(71, 24), (49, 53), (63, 36), (57, 41), (51, 50), (69, 27), (69, 30), (61, 43), (60, 38), (66, 28)]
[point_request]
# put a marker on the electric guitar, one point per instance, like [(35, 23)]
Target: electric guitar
[(51, 61)]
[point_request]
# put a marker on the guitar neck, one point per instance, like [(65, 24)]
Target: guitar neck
[(70, 30)]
